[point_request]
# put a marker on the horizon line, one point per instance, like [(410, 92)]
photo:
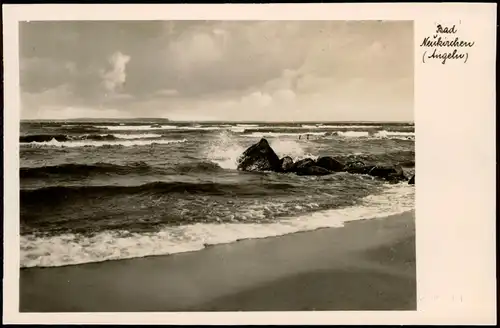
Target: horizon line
[(208, 121)]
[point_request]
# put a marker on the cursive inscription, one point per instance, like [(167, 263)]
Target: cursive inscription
[(444, 45)]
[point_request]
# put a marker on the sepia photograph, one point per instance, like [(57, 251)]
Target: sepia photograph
[(249, 164), (217, 166)]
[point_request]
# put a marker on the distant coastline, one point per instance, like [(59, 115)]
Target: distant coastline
[(165, 120), (90, 119)]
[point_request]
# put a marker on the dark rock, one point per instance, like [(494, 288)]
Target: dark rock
[(330, 164), (312, 170), (357, 167), (407, 164), (286, 164), (388, 172), (412, 180), (302, 164), (307, 166), (259, 157)]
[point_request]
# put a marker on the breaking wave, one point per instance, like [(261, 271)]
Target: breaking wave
[(137, 136), (93, 143), (281, 134), (321, 126), (353, 134), (378, 134), (136, 127), (71, 249), (71, 137), (388, 134)]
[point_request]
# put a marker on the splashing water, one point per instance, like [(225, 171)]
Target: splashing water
[(224, 151), (290, 148)]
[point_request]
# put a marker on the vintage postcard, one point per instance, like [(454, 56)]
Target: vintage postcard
[(250, 164)]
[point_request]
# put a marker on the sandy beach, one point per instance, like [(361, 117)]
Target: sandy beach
[(366, 265)]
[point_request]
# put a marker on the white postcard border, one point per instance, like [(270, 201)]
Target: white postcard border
[(455, 160)]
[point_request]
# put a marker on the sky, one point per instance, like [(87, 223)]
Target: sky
[(217, 70)]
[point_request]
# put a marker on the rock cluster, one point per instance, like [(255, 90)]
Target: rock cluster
[(261, 157)]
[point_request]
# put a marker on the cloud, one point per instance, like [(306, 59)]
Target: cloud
[(60, 103), (167, 92), (224, 69), (195, 50), (33, 104), (117, 97), (39, 74), (116, 76), (81, 112)]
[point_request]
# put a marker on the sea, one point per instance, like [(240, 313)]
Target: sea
[(100, 190)]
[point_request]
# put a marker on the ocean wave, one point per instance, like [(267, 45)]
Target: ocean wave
[(283, 134), (322, 126), (54, 194), (237, 129), (93, 143), (137, 136), (135, 127), (352, 134), (343, 134), (82, 137), (162, 127), (43, 138), (197, 167), (273, 128), (383, 134), (70, 249), (388, 134), (405, 158), (79, 129), (83, 169), (201, 128), (63, 137), (247, 125)]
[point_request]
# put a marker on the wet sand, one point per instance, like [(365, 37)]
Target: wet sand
[(366, 265)]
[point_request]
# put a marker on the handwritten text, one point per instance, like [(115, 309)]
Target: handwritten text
[(440, 40)]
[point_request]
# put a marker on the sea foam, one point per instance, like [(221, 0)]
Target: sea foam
[(389, 134), (137, 136), (70, 249), (283, 134), (353, 134), (135, 127), (96, 143), (322, 126), (162, 127)]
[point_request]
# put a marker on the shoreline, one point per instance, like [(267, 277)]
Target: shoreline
[(207, 246), (322, 269)]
